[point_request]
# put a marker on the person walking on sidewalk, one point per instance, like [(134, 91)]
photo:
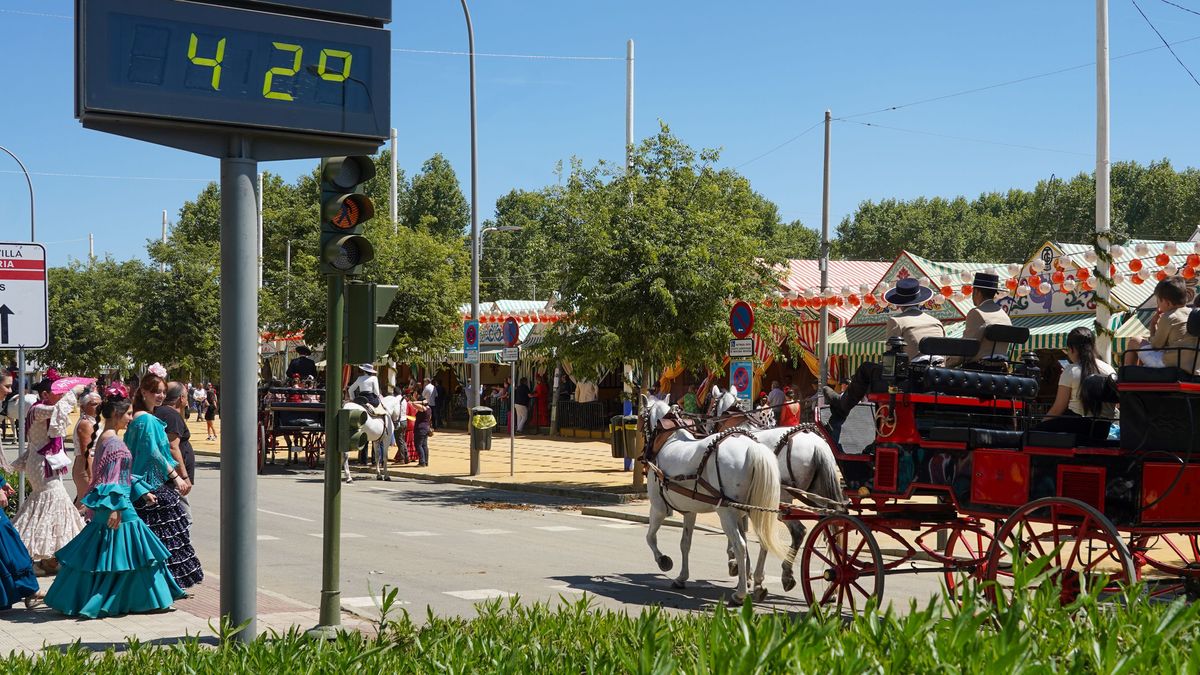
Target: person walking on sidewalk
[(147, 440), (170, 412), (430, 394), (210, 410), (521, 403), (116, 565), (422, 430), (17, 580)]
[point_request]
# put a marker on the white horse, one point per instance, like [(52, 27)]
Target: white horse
[(806, 462), (742, 469), (8, 408), (380, 432)]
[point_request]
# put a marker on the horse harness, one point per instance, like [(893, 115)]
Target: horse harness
[(785, 444), (710, 495)]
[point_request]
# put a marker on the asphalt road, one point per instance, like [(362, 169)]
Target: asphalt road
[(449, 546)]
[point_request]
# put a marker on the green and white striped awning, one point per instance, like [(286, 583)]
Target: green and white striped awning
[(867, 343), (1137, 325), (1050, 331)]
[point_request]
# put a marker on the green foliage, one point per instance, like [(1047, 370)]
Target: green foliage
[(92, 307), (1149, 202), (435, 201), (1034, 634), (655, 256)]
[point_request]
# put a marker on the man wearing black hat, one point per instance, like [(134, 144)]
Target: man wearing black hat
[(985, 313), (910, 324), (302, 366)]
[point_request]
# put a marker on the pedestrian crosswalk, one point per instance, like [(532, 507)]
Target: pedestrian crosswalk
[(482, 532)]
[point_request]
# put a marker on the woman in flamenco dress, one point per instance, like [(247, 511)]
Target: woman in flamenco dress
[(116, 565)]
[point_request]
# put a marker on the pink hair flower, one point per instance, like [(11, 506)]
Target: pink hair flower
[(158, 370)]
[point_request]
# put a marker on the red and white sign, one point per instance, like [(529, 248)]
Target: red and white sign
[(24, 304)]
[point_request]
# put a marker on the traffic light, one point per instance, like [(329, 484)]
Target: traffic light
[(350, 426), (367, 304), (343, 211)]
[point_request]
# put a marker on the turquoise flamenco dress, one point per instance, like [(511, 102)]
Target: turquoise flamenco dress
[(17, 580), (110, 572)]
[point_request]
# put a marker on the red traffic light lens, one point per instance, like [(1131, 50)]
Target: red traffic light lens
[(347, 216)]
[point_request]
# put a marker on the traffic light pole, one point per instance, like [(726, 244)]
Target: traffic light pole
[(331, 532), (239, 389)]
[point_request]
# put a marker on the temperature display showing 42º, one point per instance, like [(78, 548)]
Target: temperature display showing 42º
[(214, 64)]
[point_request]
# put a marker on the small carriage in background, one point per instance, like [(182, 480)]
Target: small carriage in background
[(293, 426), (952, 458)]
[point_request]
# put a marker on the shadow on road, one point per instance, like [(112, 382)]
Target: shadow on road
[(648, 589)]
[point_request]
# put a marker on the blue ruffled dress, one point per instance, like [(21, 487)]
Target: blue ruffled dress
[(17, 580), (106, 572)]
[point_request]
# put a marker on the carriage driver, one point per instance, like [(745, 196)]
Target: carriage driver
[(985, 313), (302, 366), (365, 390), (910, 324)]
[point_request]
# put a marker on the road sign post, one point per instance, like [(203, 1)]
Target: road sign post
[(741, 377), (471, 355), (511, 355)]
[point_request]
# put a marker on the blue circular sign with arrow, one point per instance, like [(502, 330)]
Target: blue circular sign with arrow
[(512, 332)]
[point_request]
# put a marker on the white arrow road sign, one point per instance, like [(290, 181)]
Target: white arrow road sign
[(24, 303)]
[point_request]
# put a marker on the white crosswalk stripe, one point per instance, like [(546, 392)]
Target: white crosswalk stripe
[(490, 531), (479, 594), (345, 535), (267, 537), (623, 526), (557, 528), (366, 601), (417, 533)]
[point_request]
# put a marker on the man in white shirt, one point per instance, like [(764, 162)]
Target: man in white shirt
[(429, 393), (366, 388)]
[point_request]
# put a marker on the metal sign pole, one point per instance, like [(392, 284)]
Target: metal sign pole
[(512, 423), (21, 423), (331, 529), (239, 384)]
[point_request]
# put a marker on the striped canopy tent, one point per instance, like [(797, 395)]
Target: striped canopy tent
[(864, 336), (1050, 332), (1137, 324), (796, 277)]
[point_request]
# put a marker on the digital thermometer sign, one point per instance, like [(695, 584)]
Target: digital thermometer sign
[(220, 65)]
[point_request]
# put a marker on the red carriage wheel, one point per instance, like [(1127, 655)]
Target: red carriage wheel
[(1173, 562), (841, 564), (1083, 549), (967, 545)]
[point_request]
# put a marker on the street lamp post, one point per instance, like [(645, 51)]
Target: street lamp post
[(496, 228), (473, 396), (477, 255), (21, 350)]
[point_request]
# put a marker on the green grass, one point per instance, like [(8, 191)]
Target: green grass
[(1031, 635)]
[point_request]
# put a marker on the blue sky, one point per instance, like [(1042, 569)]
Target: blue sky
[(742, 76)]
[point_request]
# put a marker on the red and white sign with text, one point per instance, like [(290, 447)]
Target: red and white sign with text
[(24, 304)]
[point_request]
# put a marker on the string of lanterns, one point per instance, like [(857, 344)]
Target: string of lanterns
[(527, 316)]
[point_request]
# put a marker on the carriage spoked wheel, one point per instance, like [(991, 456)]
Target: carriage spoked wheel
[(841, 564), (1169, 563), (1082, 548), (967, 545)]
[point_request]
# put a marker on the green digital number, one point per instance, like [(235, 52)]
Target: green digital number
[(337, 54), (214, 63), (286, 72)]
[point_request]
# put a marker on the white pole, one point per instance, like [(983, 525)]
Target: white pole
[(287, 297), (395, 207), (21, 412), (1103, 179), (512, 422), (162, 267), (629, 108), (823, 334), (259, 195), (91, 247)]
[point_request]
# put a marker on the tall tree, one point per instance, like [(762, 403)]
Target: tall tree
[(92, 309), (435, 200), (657, 255)]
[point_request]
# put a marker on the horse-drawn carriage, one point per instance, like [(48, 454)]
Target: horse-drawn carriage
[(290, 420), (956, 479)]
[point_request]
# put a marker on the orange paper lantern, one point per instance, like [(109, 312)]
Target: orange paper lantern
[(947, 291), (1011, 283), (1137, 280), (869, 299), (1160, 275), (1188, 273), (1135, 265), (1087, 285), (1193, 260), (1162, 258), (1058, 277), (1083, 273), (967, 289), (854, 300)]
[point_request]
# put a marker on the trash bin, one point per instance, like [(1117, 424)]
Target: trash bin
[(631, 443), (482, 423), (616, 429)]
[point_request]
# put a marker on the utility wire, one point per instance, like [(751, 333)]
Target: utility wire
[(1186, 9), (963, 138), (52, 174), (781, 145), (545, 57), (25, 13), (1164, 40)]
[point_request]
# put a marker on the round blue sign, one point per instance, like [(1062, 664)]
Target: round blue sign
[(741, 378), (472, 334), (512, 332), (741, 319)]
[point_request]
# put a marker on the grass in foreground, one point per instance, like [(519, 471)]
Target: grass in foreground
[(1031, 635)]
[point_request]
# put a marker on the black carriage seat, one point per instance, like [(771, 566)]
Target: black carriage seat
[(1002, 338), (1187, 355), (1013, 439), (944, 346), (981, 384)]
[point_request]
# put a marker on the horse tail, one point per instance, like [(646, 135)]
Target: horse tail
[(827, 480), (764, 494)]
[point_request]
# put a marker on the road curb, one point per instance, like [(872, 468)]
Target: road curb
[(613, 514), (570, 493)]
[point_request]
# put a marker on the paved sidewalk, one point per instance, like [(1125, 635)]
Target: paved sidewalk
[(558, 466), (31, 631)]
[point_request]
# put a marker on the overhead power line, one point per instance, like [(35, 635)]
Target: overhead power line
[(545, 57), (963, 138), (52, 174), (781, 145), (1179, 6), (1164, 40)]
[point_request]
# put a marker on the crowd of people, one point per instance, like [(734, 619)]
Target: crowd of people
[(123, 544)]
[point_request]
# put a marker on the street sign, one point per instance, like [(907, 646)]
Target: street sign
[(510, 354), (741, 348), (24, 303), (741, 375), (512, 332), (741, 319), (188, 74), (470, 342)]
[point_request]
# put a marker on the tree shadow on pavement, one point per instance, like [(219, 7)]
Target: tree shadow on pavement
[(648, 589)]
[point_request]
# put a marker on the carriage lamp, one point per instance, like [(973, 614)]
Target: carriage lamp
[(894, 362)]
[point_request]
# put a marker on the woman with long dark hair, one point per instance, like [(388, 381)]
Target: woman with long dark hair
[(152, 461), (1075, 410)]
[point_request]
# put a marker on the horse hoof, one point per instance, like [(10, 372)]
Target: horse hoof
[(665, 564), (760, 594), (788, 582), (733, 568), (678, 584)]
